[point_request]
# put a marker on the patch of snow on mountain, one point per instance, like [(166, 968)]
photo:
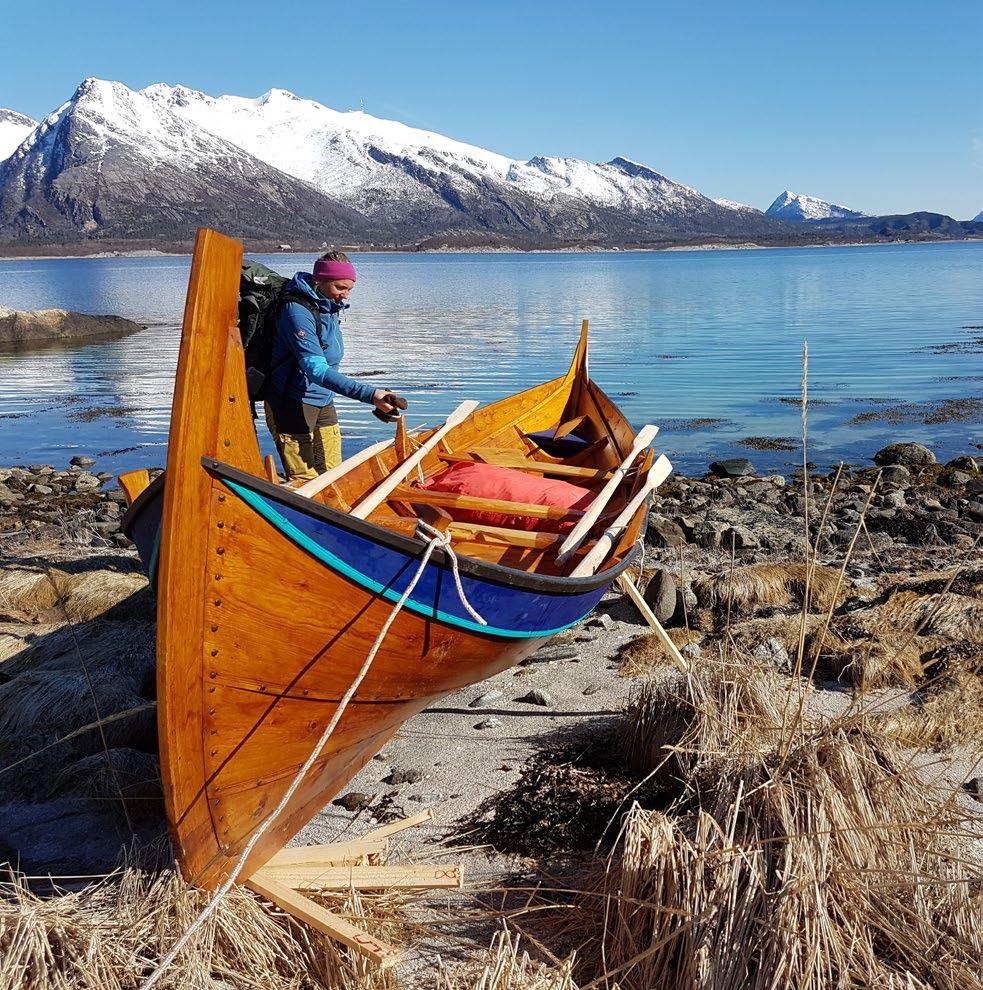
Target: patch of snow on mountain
[(795, 206), (731, 204), (979, 217), (14, 128)]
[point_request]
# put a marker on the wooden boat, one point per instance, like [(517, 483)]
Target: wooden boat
[(269, 600)]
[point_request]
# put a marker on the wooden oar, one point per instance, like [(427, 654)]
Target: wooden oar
[(330, 476), (643, 606), (580, 531), (658, 473), (385, 488)]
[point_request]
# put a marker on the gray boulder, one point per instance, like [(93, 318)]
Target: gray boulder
[(907, 454), (660, 593), (733, 467)]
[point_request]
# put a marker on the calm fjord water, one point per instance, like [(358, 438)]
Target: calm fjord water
[(676, 337)]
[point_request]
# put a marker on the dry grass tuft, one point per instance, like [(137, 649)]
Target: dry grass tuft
[(796, 855), (109, 935), (33, 594), (646, 654), (506, 968), (745, 589), (680, 721)]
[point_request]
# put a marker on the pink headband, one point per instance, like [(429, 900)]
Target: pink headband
[(332, 271)]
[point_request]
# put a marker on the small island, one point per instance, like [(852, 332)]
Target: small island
[(20, 328)]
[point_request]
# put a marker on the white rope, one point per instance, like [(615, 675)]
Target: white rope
[(434, 539)]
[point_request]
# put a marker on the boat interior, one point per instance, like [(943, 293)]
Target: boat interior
[(565, 429)]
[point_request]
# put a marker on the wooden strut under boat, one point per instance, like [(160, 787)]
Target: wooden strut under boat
[(268, 601)]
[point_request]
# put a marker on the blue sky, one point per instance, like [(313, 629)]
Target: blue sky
[(876, 105)]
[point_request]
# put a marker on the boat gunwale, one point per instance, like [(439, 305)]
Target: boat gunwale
[(482, 569)]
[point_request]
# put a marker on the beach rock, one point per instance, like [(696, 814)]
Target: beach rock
[(19, 328), (87, 483), (741, 537), (403, 777), (483, 700), (733, 467), (600, 620), (709, 534), (82, 461), (907, 454), (692, 650), (660, 593), (896, 474), (773, 652), (662, 532), (953, 478), (974, 486), (549, 654), (489, 723), (537, 697), (964, 463), (354, 801), (894, 500), (427, 797)]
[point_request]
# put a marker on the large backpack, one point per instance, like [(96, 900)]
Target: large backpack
[(261, 297)]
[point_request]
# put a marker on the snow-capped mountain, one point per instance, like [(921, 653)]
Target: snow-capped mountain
[(368, 162), (795, 206), (14, 127), (979, 217), (417, 183), (113, 163)]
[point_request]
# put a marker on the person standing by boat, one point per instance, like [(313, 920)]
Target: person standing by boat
[(307, 352)]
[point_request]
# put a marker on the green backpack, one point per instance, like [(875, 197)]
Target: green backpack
[(261, 297)]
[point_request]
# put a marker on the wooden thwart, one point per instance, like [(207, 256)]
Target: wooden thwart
[(343, 866)]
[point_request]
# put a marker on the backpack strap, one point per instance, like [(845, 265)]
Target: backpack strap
[(305, 301)]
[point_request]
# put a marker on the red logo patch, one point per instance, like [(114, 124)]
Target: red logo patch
[(301, 334)]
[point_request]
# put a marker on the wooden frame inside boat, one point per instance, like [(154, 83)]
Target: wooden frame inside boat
[(269, 600)]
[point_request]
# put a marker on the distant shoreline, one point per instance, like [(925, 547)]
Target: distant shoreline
[(510, 249)]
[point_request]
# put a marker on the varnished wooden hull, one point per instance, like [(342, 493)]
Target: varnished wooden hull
[(268, 604)]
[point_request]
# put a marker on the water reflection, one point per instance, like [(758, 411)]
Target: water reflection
[(687, 334)]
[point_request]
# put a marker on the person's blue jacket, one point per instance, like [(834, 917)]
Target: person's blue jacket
[(305, 365)]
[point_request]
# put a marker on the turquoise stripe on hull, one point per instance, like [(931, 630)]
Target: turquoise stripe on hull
[(261, 506)]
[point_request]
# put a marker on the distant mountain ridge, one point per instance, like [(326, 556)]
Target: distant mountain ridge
[(795, 206), (153, 164)]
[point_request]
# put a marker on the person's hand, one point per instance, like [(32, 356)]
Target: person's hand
[(388, 405)]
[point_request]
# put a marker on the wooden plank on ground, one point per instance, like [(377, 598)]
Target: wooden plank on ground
[(408, 877), (404, 823), (321, 919), (329, 853)]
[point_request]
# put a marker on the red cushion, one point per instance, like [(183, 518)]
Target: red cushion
[(490, 481)]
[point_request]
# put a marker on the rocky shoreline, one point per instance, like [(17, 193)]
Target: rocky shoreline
[(914, 502)]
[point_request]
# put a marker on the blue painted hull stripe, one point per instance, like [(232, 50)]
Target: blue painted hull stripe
[(289, 530)]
